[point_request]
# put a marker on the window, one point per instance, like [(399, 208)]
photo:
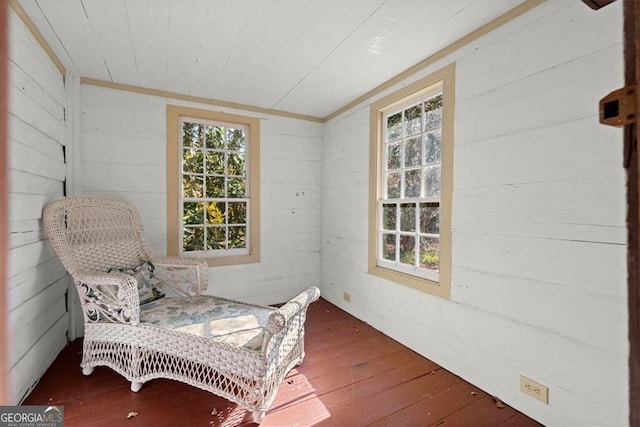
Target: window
[(411, 184), (212, 185)]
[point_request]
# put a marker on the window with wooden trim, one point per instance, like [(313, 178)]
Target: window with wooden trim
[(411, 176), (213, 186)]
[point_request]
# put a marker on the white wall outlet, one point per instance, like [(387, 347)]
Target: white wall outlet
[(534, 389)]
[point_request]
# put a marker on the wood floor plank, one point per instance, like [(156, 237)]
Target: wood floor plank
[(382, 383), (366, 351), (353, 375), (364, 370), (354, 394), (339, 332), (435, 407), (298, 387), (520, 420), (380, 405), (482, 412), (309, 412), (322, 311)]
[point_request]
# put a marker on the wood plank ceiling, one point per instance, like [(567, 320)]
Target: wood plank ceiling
[(309, 57)]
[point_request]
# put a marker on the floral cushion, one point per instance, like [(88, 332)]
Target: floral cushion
[(225, 321), (147, 283)]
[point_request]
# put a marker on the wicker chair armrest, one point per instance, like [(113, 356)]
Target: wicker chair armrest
[(298, 305), (109, 297), (185, 276)]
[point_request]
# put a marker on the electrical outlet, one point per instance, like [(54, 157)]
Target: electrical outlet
[(346, 296), (534, 389)]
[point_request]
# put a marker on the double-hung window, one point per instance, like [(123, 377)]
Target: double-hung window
[(213, 194), (411, 173)]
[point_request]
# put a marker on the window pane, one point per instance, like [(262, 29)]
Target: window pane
[(412, 183), (215, 163), (413, 120), (237, 188), (214, 193), (394, 127), (214, 137), (409, 226), (215, 187), (429, 219), (193, 239), (433, 113), (236, 164), (413, 152), (192, 161), (216, 238), (430, 253), (216, 212), (191, 134), (389, 247), (237, 140), (393, 185), (408, 217), (237, 237), (193, 213), (192, 186), (393, 156), (389, 216), (433, 146), (432, 181), (237, 213), (407, 250)]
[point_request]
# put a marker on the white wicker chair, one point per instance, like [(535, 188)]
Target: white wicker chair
[(236, 350)]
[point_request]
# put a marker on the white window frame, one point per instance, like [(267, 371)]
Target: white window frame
[(424, 279), (416, 270)]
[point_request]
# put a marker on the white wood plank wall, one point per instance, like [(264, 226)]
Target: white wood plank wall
[(124, 155), (539, 264), (37, 283)]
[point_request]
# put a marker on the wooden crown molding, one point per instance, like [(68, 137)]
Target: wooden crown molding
[(198, 99)]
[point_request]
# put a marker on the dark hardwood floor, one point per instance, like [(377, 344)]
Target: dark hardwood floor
[(353, 375)]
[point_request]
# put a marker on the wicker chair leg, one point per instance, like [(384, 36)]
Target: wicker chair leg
[(136, 386), (87, 370), (258, 416)]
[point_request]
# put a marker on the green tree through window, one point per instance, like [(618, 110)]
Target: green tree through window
[(214, 186)]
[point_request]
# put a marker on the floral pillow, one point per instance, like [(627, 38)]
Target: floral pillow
[(147, 284)]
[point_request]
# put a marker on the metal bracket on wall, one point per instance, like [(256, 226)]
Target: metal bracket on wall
[(619, 107)]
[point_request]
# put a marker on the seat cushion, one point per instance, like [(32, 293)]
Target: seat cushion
[(231, 322)]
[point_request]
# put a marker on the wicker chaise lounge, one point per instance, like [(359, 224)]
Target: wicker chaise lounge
[(236, 350)]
